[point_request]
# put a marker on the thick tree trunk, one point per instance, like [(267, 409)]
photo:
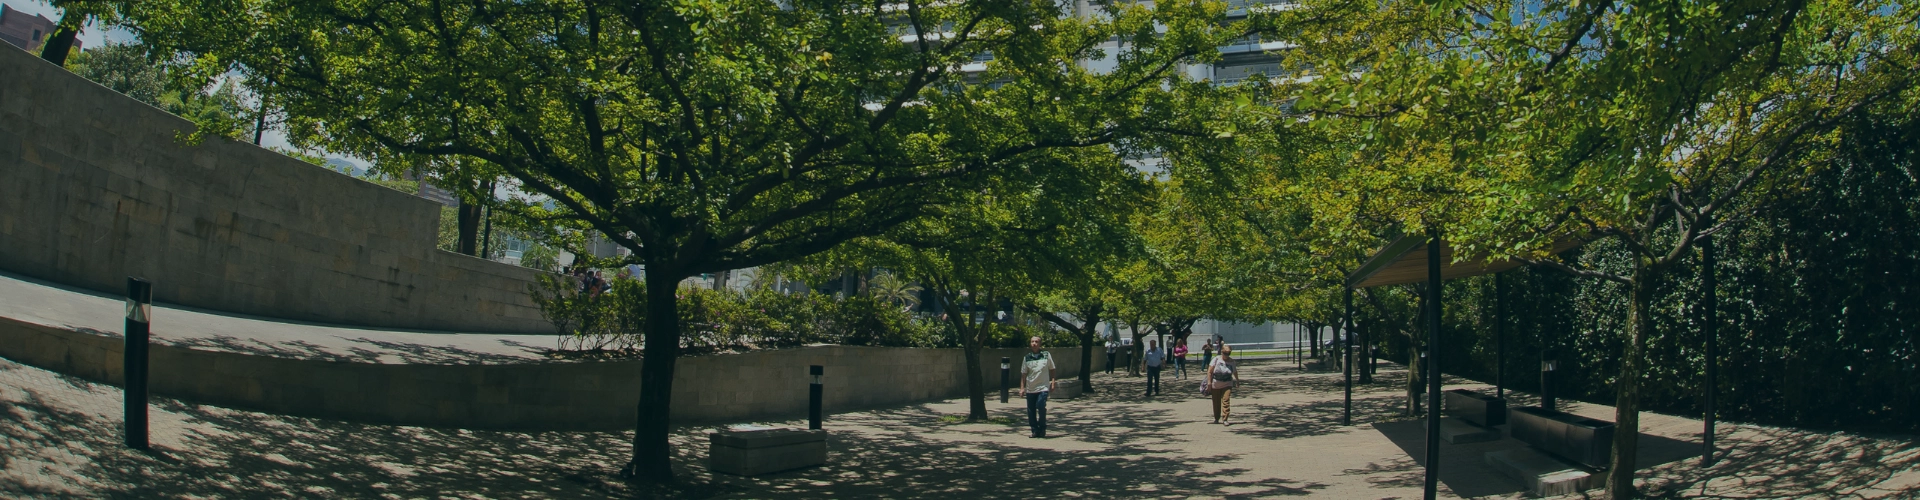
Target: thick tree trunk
[(1414, 369), (652, 456), (1626, 403), (1089, 326), (469, 223), (60, 43), (976, 383)]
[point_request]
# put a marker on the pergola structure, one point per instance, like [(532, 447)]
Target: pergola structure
[(1417, 258)]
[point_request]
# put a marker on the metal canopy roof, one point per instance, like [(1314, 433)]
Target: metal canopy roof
[(1404, 260)]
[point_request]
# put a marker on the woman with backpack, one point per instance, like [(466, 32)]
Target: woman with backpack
[(1222, 375)]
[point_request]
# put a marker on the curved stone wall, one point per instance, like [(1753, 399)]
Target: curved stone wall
[(525, 396), (95, 187)]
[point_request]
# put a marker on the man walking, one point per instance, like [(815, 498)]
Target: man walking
[(1112, 347), (1036, 375), (1154, 359)]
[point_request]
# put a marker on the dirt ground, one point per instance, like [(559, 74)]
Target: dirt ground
[(60, 437)]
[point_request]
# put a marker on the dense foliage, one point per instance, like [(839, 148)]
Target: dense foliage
[(759, 317), (1814, 294)]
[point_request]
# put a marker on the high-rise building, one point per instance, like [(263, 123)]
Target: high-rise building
[(26, 31)]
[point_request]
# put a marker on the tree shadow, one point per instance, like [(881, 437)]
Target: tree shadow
[(920, 455), (295, 349), (1787, 463), (430, 354), (66, 443)]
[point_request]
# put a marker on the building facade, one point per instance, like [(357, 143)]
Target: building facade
[(27, 31)]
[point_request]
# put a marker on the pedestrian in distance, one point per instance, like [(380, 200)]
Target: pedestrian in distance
[(1036, 382), (1206, 353), (1222, 376), (1180, 360), (1112, 348), (1155, 359)]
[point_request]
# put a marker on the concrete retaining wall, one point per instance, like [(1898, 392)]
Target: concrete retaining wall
[(532, 396), (95, 187)]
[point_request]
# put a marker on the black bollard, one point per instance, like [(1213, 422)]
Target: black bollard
[(1546, 383), (813, 398), (1006, 367), (134, 360)]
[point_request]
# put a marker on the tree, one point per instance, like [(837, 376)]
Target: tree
[(709, 135), (1650, 124)]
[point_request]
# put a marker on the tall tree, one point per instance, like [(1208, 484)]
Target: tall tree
[(710, 135)]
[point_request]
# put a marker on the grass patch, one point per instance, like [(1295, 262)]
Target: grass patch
[(961, 419)]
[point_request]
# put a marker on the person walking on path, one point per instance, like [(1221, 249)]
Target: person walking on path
[(1206, 353), (1036, 375), (1180, 359), (1221, 377), (1112, 348), (1155, 359)]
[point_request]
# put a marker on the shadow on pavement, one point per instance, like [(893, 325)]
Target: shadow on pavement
[(922, 457), (1464, 469)]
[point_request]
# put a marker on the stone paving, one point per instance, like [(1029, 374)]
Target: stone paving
[(59, 437)]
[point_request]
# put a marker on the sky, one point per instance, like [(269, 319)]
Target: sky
[(94, 35)]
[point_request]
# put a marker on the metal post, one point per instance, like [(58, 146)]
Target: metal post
[(134, 360), (1433, 365), (1710, 326), (1499, 335), (1346, 347), (813, 397), (1006, 367)]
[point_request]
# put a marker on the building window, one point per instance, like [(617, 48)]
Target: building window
[(36, 35)]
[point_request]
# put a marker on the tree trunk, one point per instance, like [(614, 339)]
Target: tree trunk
[(469, 221), (976, 384), (1089, 326), (60, 43), (1414, 369), (652, 456), (1626, 404), (1313, 340)]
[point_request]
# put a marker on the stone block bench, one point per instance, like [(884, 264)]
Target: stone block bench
[(1476, 408), (754, 452), (1475, 415), (1567, 453)]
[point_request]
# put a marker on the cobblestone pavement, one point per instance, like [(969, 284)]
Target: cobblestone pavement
[(60, 437)]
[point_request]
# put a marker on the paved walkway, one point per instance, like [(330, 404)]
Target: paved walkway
[(55, 305), (59, 437)]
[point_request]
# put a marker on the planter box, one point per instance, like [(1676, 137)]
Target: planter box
[(755, 452), (1583, 440), (1476, 408)]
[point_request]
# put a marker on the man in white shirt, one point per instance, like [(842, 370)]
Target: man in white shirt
[(1154, 359), (1036, 382), (1112, 347)]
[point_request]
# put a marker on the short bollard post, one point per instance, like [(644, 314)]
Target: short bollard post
[(813, 398), (1006, 366), (133, 364), (1546, 383)]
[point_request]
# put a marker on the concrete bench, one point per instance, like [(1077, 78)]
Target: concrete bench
[(1066, 389), (1583, 440), (1476, 408), (755, 452)]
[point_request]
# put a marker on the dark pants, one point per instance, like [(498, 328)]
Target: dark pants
[(1153, 380), (1180, 365), (1037, 413), (1109, 363)]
